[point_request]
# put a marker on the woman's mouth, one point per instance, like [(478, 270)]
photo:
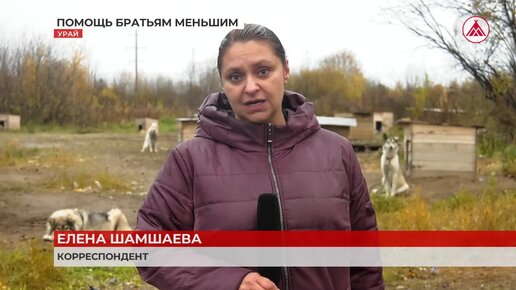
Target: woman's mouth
[(255, 106), (254, 103)]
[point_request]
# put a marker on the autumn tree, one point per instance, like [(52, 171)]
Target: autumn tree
[(336, 85), (491, 63)]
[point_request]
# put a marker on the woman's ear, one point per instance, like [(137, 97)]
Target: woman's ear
[(286, 71)]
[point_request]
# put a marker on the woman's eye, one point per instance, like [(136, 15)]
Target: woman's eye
[(235, 77), (263, 71)]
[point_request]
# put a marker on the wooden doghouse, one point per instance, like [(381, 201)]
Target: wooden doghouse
[(364, 131), (186, 128), (383, 121), (9, 122), (363, 136), (439, 149), (142, 124), (339, 125)]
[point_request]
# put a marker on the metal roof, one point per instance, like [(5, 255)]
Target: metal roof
[(186, 119), (337, 121)]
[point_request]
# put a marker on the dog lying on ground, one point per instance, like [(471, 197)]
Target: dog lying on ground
[(151, 138), (82, 220), (392, 175)]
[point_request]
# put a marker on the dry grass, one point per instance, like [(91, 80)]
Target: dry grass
[(12, 154), (65, 168), (509, 161), (31, 266), (84, 179), (492, 210)]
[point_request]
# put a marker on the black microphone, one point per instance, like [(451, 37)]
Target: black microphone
[(269, 219)]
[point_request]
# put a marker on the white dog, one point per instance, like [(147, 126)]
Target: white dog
[(82, 220), (392, 175), (151, 138)]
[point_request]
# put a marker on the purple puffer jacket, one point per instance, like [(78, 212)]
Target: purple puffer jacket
[(213, 182)]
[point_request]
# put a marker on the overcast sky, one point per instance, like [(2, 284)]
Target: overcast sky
[(310, 30)]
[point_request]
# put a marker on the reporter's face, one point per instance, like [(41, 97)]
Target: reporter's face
[(253, 78)]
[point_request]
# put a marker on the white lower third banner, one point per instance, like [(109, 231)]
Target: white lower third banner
[(291, 257), (285, 248)]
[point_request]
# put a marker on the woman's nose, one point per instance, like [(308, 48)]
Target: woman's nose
[(250, 85)]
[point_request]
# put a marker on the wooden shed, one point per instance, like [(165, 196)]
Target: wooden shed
[(144, 123), (363, 136), (186, 128), (338, 125), (383, 121), (439, 149), (9, 122), (364, 131)]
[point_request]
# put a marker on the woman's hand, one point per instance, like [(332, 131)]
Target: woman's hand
[(254, 281)]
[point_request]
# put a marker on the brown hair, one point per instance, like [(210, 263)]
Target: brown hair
[(248, 33)]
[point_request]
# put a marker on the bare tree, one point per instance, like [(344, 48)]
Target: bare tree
[(492, 63)]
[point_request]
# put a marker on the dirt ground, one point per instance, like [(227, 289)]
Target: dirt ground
[(25, 201)]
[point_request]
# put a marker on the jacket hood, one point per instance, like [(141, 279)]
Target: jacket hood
[(217, 122)]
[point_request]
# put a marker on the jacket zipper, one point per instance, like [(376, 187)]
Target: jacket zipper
[(277, 191)]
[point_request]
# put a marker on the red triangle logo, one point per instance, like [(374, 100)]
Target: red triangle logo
[(476, 30)]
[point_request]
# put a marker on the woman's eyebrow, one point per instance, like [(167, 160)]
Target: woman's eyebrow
[(258, 63), (263, 62)]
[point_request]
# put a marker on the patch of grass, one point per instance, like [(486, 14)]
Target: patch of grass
[(492, 210), (414, 215), (509, 161), (33, 128), (459, 201), (105, 127), (102, 278), (490, 142), (111, 127), (81, 180), (57, 157), (410, 277), (384, 204), (167, 124), (404, 217), (45, 158), (12, 154), (31, 266)]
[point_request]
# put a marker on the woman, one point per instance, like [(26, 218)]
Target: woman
[(255, 137)]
